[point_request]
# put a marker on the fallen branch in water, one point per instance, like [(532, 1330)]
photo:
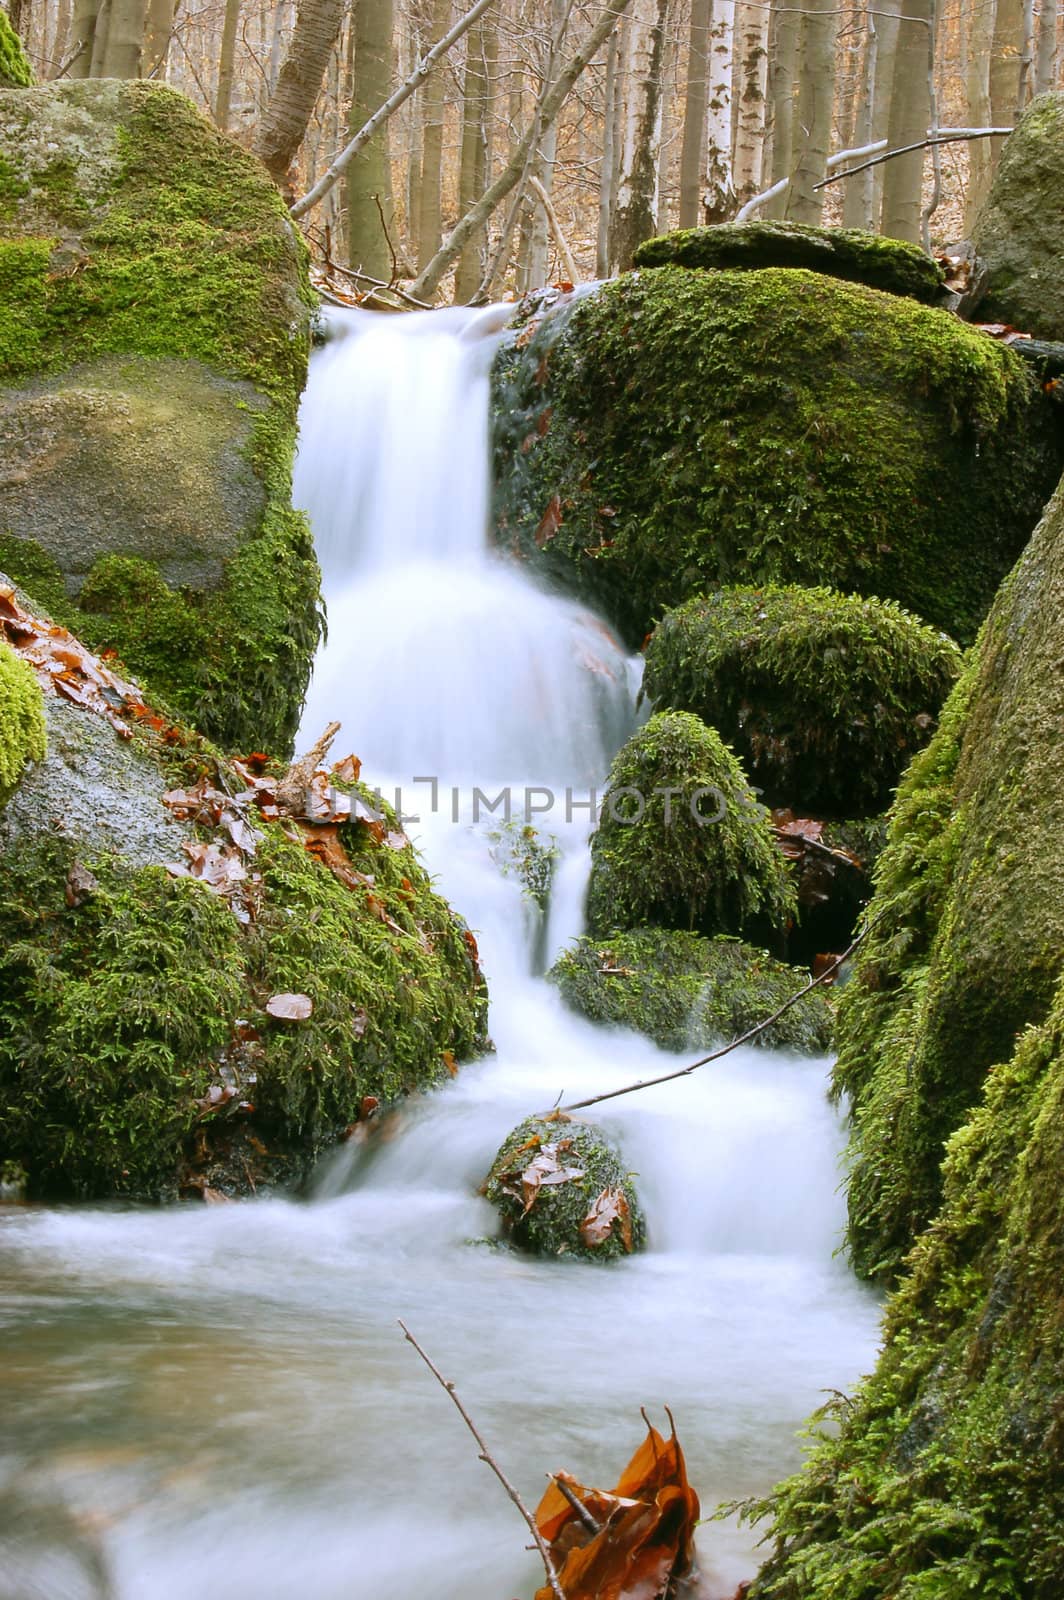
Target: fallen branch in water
[(489, 1460), (726, 1049)]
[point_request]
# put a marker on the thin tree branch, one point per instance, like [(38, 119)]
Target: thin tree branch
[(382, 113), (752, 205), (490, 1461), (726, 1049), (921, 144), (553, 222)]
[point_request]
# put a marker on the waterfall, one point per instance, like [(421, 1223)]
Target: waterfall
[(221, 1396)]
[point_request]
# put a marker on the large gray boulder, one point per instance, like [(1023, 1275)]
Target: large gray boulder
[(1020, 231)]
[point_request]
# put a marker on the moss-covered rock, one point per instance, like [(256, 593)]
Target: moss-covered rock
[(592, 1213), (682, 842), (823, 696), (154, 331), (137, 1055), (22, 735), (892, 265), (1018, 232), (15, 70), (686, 992), (677, 431), (944, 1476), (968, 942)]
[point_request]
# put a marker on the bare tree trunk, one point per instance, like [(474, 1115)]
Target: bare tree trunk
[(980, 155), (1005, 57), (284, 124), (82, 38), (783, 88), (414, 129), (719, 197), (473, 174), (910, 112), (539, 231), (753, 83), (1026, 84), (696, 101), (669, 97), (368, 178), (857, 205), (887, 27), (428, 281), (276, 44), (430, 199), (158, 30), (816, 95), (636, 204), (1045, 69), (99, 39), (610, 139), (223, 96), (125, 39)]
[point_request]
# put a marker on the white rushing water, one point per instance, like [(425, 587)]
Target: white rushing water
[(219, 1401)]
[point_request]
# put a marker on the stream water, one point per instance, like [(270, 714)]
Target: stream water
[(219, 1400)]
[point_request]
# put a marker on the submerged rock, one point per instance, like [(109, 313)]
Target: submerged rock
[(143, 948), (686, 992), (562, 1189), (682, 842), (1018, 232), (823, 696), (676, 431), (892, 265), (153, 345)]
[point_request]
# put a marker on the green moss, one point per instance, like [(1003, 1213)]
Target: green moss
[(552, 1225), (685, 992), (15, 70), (25, 563), (892, 265), (22, 735), (677, 431), (823, 696), (945, 1476), (700, 856), (118, 1016), (182, 248), (1017, 233)]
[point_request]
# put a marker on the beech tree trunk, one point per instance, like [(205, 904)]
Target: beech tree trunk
[(910, 113), (719, 195), (1045, 65), (857, 205), (284, 124), (476, 102), (753, 83), (430, 227), (125, 39), (158, 34), (1005, 59), (543, 166), (696, 101), (368, 179), (223, 94), (635, 206), (783, 87), (610, 137), (82, 38), (980, 153), (816, 94)]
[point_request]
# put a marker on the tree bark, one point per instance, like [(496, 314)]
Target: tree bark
[(857, 205), (910, 113), (125, 39), (719, 194), (696, 100), (636, 204), (1045, 67), (610, 137), (368, 180), (1005, 57), (223, 94), (284, 124), (783, 88), (753, 83), (82, 38), (543, 171), (980, 155), (816, 92), (428, 281), (473, 175), (158, 31), (430, 226)]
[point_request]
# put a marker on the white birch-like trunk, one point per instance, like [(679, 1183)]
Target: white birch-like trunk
[(753, 85), (719, 194), (636, 202)]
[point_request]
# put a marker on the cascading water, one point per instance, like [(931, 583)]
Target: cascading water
[(220, 1400)]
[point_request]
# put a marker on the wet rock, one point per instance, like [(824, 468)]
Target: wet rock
[(562, 1189)]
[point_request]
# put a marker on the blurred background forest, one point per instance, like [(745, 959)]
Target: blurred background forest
[(686, 112)]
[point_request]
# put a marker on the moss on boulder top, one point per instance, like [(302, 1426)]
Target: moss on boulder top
[(968, 947), (562, 1189), (15, 70), (686, 992), (823, 696), (676, 431), (154, 333), (945, 1474), (1019, 230), (22, 733), (138, 1056), (892, 265), (682, 842)]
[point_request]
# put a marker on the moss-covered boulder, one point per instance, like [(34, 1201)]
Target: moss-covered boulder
[(689, 993), (682, 842), (823, 696), (143, 946), (892, 265), (677, 431), (561, 1189), (22, 734), (154, 332), (1019, 230), (968, 943), (944, 1475), (15, 70)]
